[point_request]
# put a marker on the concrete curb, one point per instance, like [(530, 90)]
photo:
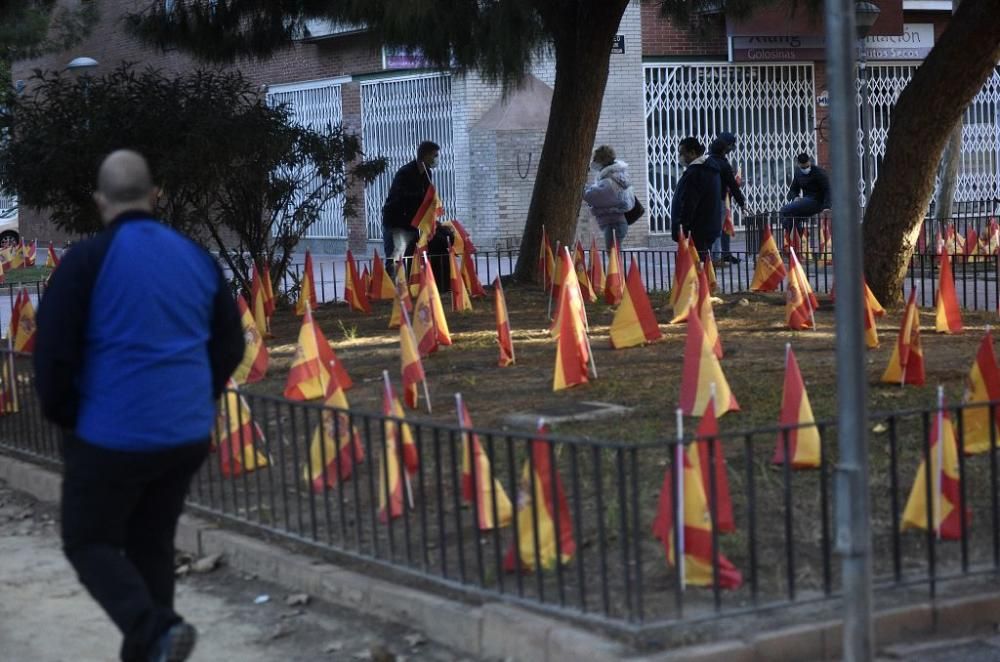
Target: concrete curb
[(499, 630)]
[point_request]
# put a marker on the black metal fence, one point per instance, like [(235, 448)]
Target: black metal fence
[(614, 571)]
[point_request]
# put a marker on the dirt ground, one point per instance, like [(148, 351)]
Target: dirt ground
[(47, 616)]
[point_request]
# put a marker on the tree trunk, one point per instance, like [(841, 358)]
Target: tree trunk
[(583, 55), (927, 110)]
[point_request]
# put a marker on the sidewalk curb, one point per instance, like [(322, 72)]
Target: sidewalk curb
[(500, 630)]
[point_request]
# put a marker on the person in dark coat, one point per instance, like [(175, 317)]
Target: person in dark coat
[(409, 186), (697, 202), (137, 335), (717, 152), (810, 181)]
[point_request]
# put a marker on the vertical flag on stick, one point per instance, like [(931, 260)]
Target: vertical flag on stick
[(702, 370), (479, 487), (947, 316), (354, 288), (614, 287), (22, 323), (907, 363), (503, 326), (258, 297), (460, 300), (706, 314), (393, 480), (572, 345), (541, 507), (336, 444), (800, 302), (683, 292), (307, 288), (983, 386), (402, 299), (253, 367), (803, 442), (596, 268), (236, 435), (382, 288), (770, 269), (634, 322), (52, 260), (708, 435), (411, 368), (425, 220)]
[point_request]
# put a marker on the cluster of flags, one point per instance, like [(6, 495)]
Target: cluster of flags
[(969, 246), (22, 255)]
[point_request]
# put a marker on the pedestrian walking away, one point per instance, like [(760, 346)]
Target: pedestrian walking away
[(409, 186), (610, 196), (813, 184), (717, 152), (137, 335), (697, 203)]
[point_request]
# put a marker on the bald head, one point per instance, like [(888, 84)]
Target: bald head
[(124, 184)]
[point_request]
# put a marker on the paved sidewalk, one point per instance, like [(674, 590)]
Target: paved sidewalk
[(46, 616)]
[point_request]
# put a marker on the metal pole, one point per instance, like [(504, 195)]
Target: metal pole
[(853, 540)]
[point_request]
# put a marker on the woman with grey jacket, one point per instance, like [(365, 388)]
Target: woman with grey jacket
[(611, 195)]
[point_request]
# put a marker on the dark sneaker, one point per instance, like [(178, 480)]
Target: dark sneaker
[(732, 259), (176, 644)]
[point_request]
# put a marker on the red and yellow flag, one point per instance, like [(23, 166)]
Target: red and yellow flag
[(800, 302), (634, 322), (701, 371), (8, 390), (465, 249), (803, 442), (410, 367), (307, 288), (541, 507), (16, 257), (684, 290), (366, 282), (425, 220), (269, 301), (877, 309), (983, 386), (336, 444), (871, 330), (253, 367), (30, 253), (706, 314), (689, 500), (479, 487), (582, 276), (572, 346), (354, 288), (709, 269), (596, 268), (258, 296), (417, 270), (382, 287), (614, 286), (907, 363), (947, 316), (52, 260), (569, 287), (990, 244), (428, 283), (460, 300), (708, 435), (402, 295), (237, 435), (770, 270), (945, 485), (22, 323), (307, 378), (503, 326), (546, 263), (393, 480)]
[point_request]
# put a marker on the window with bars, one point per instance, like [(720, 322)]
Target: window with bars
[(397, 114), (316, 105)]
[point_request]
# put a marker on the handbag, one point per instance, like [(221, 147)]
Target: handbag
[(635, 213)]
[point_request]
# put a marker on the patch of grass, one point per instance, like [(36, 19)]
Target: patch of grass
[(26, 275)]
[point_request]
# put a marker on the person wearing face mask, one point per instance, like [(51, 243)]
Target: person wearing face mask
[(810, 181), (717, 152), (697, 203), (611, 195), (409, 186)]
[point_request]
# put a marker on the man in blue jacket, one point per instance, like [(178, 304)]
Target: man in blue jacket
[(811, 182), (697, 203), (137, 335)]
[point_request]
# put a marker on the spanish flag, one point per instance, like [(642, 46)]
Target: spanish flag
[(236, 435), (614, 287), (8, 389), (30, 253), (52, 260), (596, 267), (876, 307), (689, 500), (16, 256), (945, 485), (428, 283), (706, 314), (907, 363), (466, 249), (503, 326), (701, 370), (541, 507), (425, 220), (971, 242), (707, 435), (479, 487), (684, 290), (569, 287), (381, 288), (336, 444), (871, 330), (402, 295), (990, 245), (825, 243), (709, 269), (307, 378), (947, 316), (546, 262), (269, 305), (582, 277), (259, 298), (770, 270), (307, 288), (366, 282), (410, 367), (634, 322), (354, 289), (803, 442), (393, 481), (423, 323), (22, 323), (983, 386), (800, 302), (460, 300), (572, 346), (417, 270), (253, 367)]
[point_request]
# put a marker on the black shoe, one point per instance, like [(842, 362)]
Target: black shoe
[(176, 644), (731, 259)]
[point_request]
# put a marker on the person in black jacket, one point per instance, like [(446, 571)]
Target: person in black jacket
[(409, 186), (137, 335), (812, 183), (697, 202), (717, 151)]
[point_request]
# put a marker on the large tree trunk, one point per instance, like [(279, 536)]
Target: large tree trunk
[(927, 111), (583, 33)]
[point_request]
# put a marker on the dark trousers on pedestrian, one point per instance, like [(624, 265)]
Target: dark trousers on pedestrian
[(119, 517), (795, 213)]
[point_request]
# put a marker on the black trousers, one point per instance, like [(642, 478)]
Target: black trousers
[(119, 517)]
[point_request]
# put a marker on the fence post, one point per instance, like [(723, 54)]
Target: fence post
[(852, 499)]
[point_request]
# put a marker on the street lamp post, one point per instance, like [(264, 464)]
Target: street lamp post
[(865, 15)]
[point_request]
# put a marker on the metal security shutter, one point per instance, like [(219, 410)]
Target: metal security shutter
[(397, 114)]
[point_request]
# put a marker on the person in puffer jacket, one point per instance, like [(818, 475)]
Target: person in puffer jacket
[(610, 196)]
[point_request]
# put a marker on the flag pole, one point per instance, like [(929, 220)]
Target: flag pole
[(541, 256), (506, 316), (940, 461), (555, 271), (679, 515), (399, 430)]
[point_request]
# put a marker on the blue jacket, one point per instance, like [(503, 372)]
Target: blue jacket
[(137, 335), (697, 203)]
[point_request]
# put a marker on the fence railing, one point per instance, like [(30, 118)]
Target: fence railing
[(322, 477)]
